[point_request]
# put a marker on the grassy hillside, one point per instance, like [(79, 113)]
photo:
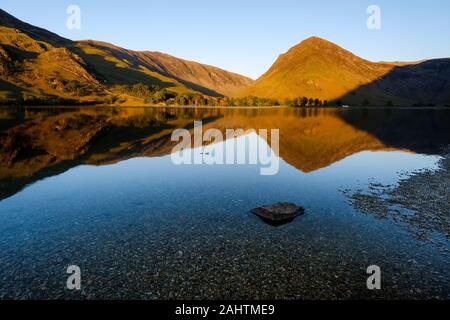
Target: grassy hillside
[(36, 71), (320, 69), (37, 66), (168, 69)]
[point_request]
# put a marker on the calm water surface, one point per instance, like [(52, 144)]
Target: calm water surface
[(97, 188)]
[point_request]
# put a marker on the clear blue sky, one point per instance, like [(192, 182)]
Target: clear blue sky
[(246, 36)]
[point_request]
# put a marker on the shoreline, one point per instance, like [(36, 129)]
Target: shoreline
[(221, 107), (419, 203)]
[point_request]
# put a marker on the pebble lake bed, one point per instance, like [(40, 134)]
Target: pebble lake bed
[(105, 196), (420, 202)]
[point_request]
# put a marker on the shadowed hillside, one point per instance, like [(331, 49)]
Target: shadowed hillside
[(199, 77), (424, 83), (37, 66), (33, 32), (317, 68)]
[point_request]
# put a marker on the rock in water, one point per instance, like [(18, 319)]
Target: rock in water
[(278, 213)]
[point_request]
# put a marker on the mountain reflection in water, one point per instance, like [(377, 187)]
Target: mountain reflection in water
[(40, 142), (141, 227)]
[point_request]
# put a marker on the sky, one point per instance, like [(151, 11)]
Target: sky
[(246, 36)]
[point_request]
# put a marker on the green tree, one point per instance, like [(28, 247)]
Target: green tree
[(183, 99), (304, 102), (317, 102)]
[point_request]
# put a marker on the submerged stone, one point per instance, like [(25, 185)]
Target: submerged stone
[(279, 213)]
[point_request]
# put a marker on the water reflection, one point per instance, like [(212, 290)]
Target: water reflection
[(148, 229), (41, 142)]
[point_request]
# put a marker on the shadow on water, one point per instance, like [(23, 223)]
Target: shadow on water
[(424, 131), (40, 142)]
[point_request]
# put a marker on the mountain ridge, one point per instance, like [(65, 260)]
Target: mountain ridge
[(317, 68), (38, 64), (42, 34), (186, 71), (23, 70)]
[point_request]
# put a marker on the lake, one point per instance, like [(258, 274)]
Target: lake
[(98, 188)]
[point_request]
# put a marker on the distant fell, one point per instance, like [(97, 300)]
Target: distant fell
[(194, 75), (317, 68), (39, 66)]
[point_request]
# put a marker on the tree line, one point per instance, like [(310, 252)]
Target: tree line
[(305, 102), (153, 94)]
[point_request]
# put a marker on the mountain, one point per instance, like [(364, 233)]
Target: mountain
[(196, 76), (317, 68), (38, 64), (39, 34)]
